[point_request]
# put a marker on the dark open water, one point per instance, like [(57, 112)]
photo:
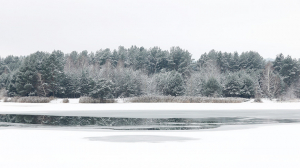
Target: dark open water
[(115, 123)]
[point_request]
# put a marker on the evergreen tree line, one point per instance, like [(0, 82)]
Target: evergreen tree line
[(135, 71)]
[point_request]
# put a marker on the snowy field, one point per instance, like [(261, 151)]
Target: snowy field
[(227, 147)]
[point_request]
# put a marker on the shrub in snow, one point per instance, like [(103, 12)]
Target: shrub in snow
[(6, 99), (258, 100), (65, 100)]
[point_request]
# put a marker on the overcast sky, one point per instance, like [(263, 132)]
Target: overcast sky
[(269, 27)]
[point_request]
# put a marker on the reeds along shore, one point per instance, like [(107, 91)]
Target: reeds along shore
[(141, 99), (182, 99), (30, 99)]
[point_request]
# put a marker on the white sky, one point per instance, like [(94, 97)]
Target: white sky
[(269, 27)]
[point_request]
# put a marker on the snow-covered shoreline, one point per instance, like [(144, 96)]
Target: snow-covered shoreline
[(156, 110)]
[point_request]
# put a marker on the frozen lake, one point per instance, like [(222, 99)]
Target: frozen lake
[(248, 146), (150, 135), (150, 116)]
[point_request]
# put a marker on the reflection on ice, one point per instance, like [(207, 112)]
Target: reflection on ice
[(116, 123), (139, 138)]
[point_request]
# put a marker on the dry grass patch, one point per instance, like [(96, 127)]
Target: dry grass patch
[(92, 100), (182, 99), (288, 100), (30, 99)]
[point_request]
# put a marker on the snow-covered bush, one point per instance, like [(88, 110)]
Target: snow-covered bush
[(257, 100), (65, 100)]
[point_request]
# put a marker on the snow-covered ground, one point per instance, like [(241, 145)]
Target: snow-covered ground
[(156, 110), (260, 147)]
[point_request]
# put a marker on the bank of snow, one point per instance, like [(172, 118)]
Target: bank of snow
[(268, 109), (260, 147)]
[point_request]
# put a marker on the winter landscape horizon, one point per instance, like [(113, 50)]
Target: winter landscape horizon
[(137, 83), (74, 134)]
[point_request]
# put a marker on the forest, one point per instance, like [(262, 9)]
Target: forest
[(137, 71)]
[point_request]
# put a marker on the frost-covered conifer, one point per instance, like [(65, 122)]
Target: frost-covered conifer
[(102, 89), (233, 86), (170, 83), (212, 88)]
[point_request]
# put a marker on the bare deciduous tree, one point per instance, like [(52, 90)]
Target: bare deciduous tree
[(270, 82), (42, 85)]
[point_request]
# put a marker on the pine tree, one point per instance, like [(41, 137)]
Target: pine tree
[(232, 86), (180, 60), (127, 83), (170, 83), (12, 90), (4, 80), (278, 62), (52, 73), (26, 77), (247, 87), (75, 85), (84, 84), (234, 63), (157, 60), (103, 55), (212, 88), (251, 60), (290, 70), (102, 89)]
